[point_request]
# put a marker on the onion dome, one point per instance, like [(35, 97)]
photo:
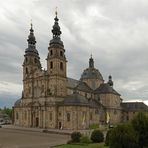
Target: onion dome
[(31, 43), (31, 38), (56, 33)]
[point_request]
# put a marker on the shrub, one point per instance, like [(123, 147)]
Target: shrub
[(85, 139), (107, 137), (123, 136), (97, 136), (75, 136)]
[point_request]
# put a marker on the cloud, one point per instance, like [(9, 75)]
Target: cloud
[(115, 32)]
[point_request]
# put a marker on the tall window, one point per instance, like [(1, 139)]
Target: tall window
[(51, 52), (25, 115), (61, 65), (50, 116), (61, 53), (26, 70), (26, 59), (86, 95), (42, 89), (51, 64), (68, 117), (35, 60)]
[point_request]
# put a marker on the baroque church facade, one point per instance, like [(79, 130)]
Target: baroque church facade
[(50, 99)]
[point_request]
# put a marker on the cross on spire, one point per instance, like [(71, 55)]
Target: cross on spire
[(31, 23), (56, 12), (56, 31), (31, 38), (56, 28)]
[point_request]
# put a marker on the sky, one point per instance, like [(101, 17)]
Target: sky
[(115, 32)]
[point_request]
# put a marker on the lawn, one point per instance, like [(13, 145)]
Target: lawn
[(82, 146)]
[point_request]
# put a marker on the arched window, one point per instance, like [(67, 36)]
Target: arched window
[(26, 59), (61, 65), (42, 89), (26, 70), (51, 52), (51, 64), (61, 53), (50, 116), (35, 60), (25, 115), (68, 117)]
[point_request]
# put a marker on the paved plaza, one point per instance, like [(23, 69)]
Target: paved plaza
[(14, 138)]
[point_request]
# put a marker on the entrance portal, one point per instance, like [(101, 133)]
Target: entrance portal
[(60, 125), (37, 122)]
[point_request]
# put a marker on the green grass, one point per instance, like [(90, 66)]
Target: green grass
[(98, 145)]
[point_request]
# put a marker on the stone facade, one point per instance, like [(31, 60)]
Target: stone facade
[(52, 100)]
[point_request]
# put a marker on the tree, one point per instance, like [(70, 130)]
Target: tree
[(123, 136), (140, 125), (7, 111)]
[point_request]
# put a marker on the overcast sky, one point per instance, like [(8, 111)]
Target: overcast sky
[(114, 31)]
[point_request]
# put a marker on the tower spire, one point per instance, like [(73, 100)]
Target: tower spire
[(31, 38), (56, 12), (31, 25), (56, 31), (56, 28)]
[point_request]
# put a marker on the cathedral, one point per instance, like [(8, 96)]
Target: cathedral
[(50, 99)]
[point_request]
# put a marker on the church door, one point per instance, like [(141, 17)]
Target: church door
[(37, 122), (60, 125)]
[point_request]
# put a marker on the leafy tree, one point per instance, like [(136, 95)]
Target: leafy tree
[(97, 136), (140, 125), (7, 111), (123, 136)]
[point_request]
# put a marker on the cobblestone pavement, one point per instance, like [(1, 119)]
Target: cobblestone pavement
[(14, 138)]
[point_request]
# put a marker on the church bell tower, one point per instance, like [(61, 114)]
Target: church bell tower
[(31, 64), (31, 58), (56, 62)]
